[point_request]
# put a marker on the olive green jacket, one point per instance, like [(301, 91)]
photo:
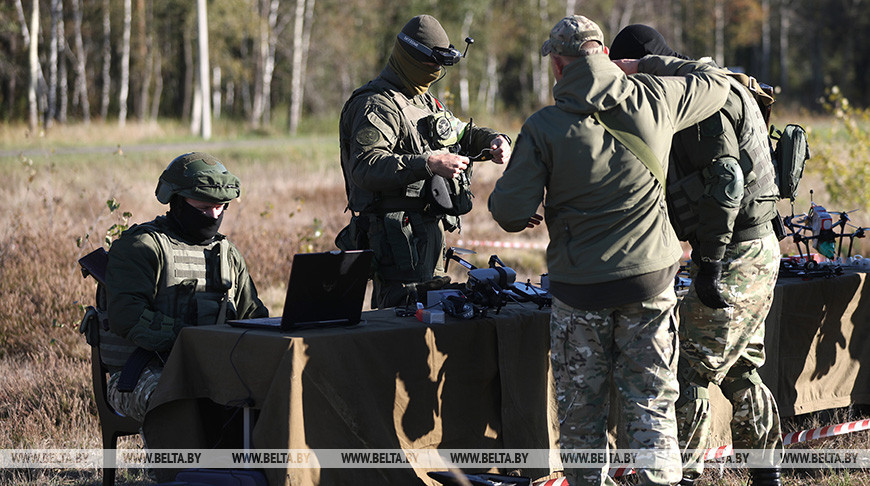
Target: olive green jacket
[(605, 212), (133, 280)]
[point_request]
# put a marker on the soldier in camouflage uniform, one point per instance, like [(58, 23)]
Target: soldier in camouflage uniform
[(397, 141), (169, 273), (721, 196), (612, 254)]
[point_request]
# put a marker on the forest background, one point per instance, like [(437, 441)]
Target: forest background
[(97, 96), (282, 62)]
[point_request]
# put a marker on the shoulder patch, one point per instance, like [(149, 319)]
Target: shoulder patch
[(368, 136)]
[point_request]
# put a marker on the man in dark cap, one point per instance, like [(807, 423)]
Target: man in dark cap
[(172, 272), (406, 163), (721, 199), (612, 254)]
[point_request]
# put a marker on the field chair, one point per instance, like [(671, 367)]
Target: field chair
[(112, 424)]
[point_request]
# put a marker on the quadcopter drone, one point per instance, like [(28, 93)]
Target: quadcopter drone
[(494, 286), (817, 226)]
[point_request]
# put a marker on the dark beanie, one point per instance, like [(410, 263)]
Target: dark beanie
[(426, 30), (637, 41)]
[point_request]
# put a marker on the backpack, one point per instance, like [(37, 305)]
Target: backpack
[(789, 147), (790, 155)]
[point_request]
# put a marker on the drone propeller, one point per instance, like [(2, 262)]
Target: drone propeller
[(453, 254)]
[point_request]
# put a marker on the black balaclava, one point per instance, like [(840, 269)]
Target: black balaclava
[(195, 226), (637, 41)]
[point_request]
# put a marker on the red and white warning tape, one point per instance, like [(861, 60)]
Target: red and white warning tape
[(826, 431), (554, 482), (787, 439), (524, 245)]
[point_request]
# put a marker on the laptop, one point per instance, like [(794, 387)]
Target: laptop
[(325, 289)]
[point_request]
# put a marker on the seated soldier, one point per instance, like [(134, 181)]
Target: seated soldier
[(169, 273)]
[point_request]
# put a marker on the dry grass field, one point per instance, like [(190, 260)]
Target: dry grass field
[(54, 210)]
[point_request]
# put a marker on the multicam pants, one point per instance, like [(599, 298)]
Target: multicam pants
[(635, 345), (726, 347), (133, 404)]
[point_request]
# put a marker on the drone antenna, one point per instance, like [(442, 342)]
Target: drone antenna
[(468, 42)]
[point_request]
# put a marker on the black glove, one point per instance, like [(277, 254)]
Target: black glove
[(707, 284)]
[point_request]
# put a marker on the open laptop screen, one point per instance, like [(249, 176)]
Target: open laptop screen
[(326, 288)]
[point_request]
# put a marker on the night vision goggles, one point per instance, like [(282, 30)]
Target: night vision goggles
[(443, 56)]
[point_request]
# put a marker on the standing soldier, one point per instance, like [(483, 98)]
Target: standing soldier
[(721, 195), (612, 254), (401, 158), (172, 272)]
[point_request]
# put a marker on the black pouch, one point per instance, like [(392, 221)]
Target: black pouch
[(779, 227), (452, 197), (401, 241), (354, 236)]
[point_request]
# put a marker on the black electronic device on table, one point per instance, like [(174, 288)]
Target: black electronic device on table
[(325, 289)]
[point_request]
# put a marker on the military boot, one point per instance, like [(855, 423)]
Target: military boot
[(767, 476)]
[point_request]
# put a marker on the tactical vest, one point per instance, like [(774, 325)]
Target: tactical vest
[(416, 121), (196, 284), (759, 182)]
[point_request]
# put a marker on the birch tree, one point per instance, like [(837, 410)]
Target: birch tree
[(265, 60), (34, 67), (216, 92), (80, 93), (301, 37), (145, 58), (125, 63), (37, 79), (51, 111), (719, 32), (540, 66), (784, 25), (205, 93), (62, 78), (107, 61), (764, 72), (158, 85)]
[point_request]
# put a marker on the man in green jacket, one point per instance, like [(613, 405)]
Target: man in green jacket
[(397, 143), (722, 199), (172, 272), (612, 254)]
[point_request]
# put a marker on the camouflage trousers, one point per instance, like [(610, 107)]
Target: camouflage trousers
[(634, 347), (726, 347), (133, 404)]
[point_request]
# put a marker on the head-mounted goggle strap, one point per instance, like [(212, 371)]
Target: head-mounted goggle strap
[(443, 56)]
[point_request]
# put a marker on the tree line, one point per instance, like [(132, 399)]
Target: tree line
[(272, 63)]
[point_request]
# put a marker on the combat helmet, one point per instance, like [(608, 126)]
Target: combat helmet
[(199, 176)]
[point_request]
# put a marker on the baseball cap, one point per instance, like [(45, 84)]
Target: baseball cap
[(569, 34)]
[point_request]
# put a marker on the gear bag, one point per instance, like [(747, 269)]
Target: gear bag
[(354, 236), (789, 158), (451, 196), (790, 147)]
